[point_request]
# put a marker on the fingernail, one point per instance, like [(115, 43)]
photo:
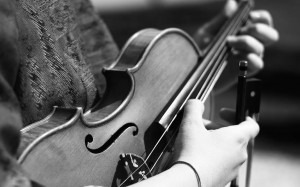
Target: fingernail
[(254, 15), (243, 29), (231, 38), (249, 118)]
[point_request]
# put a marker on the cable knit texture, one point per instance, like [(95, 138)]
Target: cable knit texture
[(51, 53)]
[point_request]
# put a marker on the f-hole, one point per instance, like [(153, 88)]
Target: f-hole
[(89, 138)]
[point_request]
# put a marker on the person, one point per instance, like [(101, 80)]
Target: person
[(52, 53)]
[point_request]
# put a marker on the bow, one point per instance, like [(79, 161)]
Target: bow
[(248, 104)]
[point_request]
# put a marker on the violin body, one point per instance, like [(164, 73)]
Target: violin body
[(103, 145)]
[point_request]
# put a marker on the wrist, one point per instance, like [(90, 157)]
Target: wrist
[(189, 170), (203, 169)]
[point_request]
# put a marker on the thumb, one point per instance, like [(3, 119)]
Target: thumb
[(228, 115), (229, 9), (205, 33), (249, 128), (191, 129), (192, 115), (245, 131)]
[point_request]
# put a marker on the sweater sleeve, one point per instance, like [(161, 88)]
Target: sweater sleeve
[(10, 119), (98, 48)]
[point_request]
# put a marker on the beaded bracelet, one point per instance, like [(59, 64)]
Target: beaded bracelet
[(188, 164)]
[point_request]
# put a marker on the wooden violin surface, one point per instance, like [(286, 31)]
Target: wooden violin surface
[(69, 148), (121, 139)]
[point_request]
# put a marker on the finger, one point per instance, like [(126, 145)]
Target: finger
[(246, 43), (255, 62), (209, 125), (230, 8), (247, 129), (261, 16), (207, 122), (262, 32), (193, 111), (215, 126), (228, 115), (211, 27)]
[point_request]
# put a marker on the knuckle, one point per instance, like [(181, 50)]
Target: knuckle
[(260, 48), (267, 15), (276, 36), (253, 44), (257, 28), (258, 64), (241, 140), (256, 127), (193, 102), (247, 40), (244, 156), (195, 105)]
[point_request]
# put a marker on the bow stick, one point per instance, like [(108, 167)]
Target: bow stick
[(248, 104)]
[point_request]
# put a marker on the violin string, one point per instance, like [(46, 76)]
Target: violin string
[(216, 75), (145, 161), (171, 139), (219, 39), (217, 69), (219, 66), (220, 63), (208, 85)]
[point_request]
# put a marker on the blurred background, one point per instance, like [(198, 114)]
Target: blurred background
[(277, 150)]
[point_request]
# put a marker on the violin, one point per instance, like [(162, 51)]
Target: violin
[(128, 136)]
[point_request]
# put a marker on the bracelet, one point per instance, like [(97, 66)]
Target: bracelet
[(188, 164)]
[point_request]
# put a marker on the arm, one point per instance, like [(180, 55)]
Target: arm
[(218, 154), (180, 175)]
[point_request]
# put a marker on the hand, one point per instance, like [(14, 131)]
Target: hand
[(253, 37), (217, 154), (248, 45)]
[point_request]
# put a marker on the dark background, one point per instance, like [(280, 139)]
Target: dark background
[(277, 156)]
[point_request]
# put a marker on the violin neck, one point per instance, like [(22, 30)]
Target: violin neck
[(231, 27), (212, 63), (214, 55)]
